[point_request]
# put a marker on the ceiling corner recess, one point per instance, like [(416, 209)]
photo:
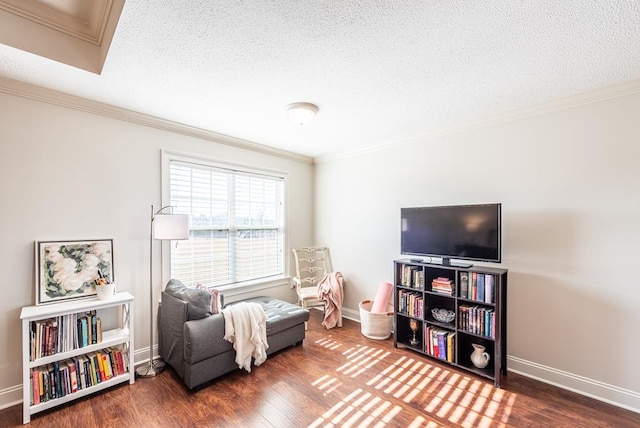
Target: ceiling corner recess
[(73, 32)]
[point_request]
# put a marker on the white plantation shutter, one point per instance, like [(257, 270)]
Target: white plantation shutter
[(236, 224)]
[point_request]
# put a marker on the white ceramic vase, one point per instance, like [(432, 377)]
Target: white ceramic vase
[(479, 357)]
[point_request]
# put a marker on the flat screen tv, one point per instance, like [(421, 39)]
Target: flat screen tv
[(463, 232)]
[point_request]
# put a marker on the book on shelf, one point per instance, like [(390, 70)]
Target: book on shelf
[(106, 366), (480, 292), (51, 381), (488, 321), (474, 286), (464, 284), (84, 332), (95, 370), (41, 384), (450, 346), (441, 337), (427, 339), (418, 279), (94, 327), (82, 362), (74, 332), (35, 386), (65, 378), (75, 374), (98, 330), (123, 358), (56, 380), (489, 288)]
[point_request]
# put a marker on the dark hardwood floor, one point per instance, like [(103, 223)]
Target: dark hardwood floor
[(337, 378)]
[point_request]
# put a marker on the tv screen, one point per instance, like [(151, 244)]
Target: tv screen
[(465, 232)]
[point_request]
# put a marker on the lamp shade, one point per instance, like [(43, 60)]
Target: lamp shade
[(171, 226)]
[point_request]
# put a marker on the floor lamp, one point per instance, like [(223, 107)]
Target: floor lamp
[(164, 226)]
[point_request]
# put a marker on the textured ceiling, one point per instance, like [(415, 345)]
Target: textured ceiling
[(380, 71)]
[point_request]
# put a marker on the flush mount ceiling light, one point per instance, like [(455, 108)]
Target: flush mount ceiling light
[(302, 113)]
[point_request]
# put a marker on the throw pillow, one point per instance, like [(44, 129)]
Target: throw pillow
[(198, 301), (216, 298)]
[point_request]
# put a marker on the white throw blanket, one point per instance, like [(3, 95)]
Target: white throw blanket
[(245, 325)]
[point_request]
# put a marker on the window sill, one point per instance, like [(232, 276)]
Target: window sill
[(252, 286)]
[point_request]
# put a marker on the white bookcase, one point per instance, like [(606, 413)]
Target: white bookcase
[(122, 335)]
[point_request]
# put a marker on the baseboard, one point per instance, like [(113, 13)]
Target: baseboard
[(601, 391), (141, 356), (11, 396), (351, 314)]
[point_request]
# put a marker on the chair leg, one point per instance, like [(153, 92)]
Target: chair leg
[(304, 305), (339, 322)]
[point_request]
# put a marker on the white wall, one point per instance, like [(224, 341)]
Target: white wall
[(568, 182), (66, 174)]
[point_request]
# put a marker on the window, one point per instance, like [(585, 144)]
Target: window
[(236, 224)]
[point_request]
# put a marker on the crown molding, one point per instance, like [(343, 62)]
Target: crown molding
[(49, 96), (565, 103), (76, 33), (37, 93), (86, 21)]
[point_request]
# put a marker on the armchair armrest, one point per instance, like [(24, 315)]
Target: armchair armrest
[(295, 282), (204, 338)]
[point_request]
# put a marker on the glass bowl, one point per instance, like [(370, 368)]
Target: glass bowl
[(443, 315)]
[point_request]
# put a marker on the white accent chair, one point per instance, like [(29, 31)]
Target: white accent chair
[(312, 264)]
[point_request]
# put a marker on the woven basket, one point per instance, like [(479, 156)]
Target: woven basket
[(373, 325)]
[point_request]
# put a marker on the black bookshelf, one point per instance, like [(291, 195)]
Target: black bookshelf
[(477, 296)]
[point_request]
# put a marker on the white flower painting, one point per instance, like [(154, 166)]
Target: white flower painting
[(68, 269)]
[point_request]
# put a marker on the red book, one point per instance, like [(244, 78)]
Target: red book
[(73, 375), (474, 287), (35, 374)]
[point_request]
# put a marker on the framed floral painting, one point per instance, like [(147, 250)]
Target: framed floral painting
[(68, 269)]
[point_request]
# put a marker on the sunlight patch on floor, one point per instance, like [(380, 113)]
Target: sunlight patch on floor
[(420, 422), (327, 384), (328, 343), (360, 359), (362, 409), (446, 396), (453, 397)]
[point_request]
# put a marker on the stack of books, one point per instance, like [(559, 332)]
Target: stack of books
[(442, 285)]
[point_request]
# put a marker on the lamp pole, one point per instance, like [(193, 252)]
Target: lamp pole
[(176, 227)]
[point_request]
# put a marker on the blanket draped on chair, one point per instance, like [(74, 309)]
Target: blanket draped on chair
[(331, 292), (245, 325)]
